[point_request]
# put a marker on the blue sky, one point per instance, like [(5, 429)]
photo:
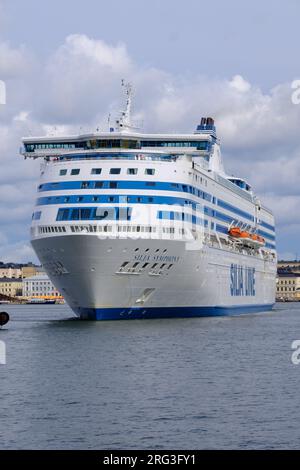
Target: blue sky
[(62, 62)]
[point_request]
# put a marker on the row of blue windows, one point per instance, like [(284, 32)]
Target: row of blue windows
[(124, 213), (272, 246), (235, 210), (117, 156), (112, 171), (196, 220), (200, 145), (94, 213), (116, 143), (119, 198), (133, 199), (182, 216), (266, 235), (268, 226), (73, 185)]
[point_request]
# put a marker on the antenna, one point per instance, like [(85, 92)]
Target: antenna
[(124, 122)]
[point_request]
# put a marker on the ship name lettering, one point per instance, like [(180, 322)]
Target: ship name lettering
[(242, 281)]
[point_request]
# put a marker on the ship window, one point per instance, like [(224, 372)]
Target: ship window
[(113, 184), (98, 184), (115, 171), (139, 199), (75, 214), (149, 171), (150, 199), (132, 171), (63, 214), (66, 199), (80, 199), (145, 265), (75, 171), (96, 171), (85, 214), (62, 172), (95, 199), (111, 199), (85, 184), (135, 265)]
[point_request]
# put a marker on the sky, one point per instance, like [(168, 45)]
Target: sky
[(62, 62)]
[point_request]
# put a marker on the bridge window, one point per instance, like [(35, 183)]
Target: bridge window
[(149, 171), (75, 171), (115, 171), (132, 171), (62, 172), (96, 171)]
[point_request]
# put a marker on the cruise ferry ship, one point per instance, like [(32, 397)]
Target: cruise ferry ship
[(132, 225)]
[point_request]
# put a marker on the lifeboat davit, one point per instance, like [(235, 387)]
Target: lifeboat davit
[(248, 239)]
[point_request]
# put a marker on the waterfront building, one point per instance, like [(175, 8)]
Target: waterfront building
[(292, 266), (40, 286), (10, 273), (288, 286), (11, 287), (29, 271)]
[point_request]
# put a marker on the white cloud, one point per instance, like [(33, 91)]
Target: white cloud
[(13, 62), (240, 84)]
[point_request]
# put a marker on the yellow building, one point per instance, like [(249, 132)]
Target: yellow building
[(11, 287), (288, 286), (29, 271)]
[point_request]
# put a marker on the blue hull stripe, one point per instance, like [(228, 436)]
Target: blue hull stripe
[(167, 312)]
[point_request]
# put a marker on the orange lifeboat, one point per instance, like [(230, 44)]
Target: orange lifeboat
[(235, 232), (248, 239), (261, 239), (245, 234)]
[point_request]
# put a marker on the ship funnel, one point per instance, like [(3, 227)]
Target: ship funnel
[(207, 126)]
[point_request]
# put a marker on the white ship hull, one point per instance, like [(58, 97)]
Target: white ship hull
[(190, 283)]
